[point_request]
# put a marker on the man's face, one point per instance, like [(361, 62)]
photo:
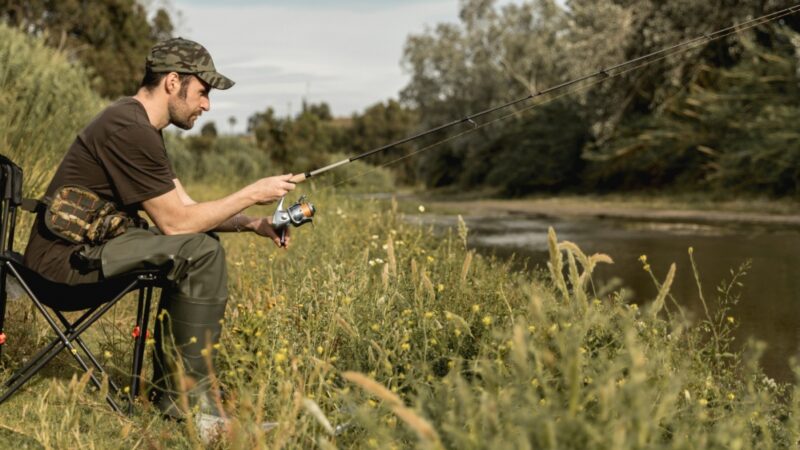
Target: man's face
[(188, 103)]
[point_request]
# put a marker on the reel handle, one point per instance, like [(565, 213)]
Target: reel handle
[(283, 237)]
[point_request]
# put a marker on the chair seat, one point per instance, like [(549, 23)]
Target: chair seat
[(65, 297)]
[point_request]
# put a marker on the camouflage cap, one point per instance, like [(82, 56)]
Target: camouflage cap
[(185, 56)]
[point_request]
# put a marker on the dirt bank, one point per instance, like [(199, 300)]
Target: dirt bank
[(744, 213)]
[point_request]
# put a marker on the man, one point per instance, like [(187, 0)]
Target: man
[(121, 157)]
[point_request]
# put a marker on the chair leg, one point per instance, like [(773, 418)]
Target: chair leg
[(65, 342), (142, 320), (47, 349), (71, 328), (3, 299)]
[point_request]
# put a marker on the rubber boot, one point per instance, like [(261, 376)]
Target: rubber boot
[(186, 328)]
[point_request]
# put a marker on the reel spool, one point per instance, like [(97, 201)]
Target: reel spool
[(301, 212)]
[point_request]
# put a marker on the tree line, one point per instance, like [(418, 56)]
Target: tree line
[(720, 117)]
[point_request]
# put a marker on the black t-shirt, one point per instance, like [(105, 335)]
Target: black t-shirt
[(122, 158)]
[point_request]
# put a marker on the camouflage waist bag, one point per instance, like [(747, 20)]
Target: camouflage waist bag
[(78, 215)]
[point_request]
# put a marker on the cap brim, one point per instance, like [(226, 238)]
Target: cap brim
[(216, 80)]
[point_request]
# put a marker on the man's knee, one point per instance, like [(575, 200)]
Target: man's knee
[(204, 246), (205, 267)]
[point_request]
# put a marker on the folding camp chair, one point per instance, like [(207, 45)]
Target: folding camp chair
[(96, 298)]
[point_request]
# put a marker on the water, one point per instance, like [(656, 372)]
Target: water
[(769, 308)]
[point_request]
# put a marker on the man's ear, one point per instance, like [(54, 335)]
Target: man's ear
[(172, 82)]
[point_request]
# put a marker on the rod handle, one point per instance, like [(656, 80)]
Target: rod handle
[(299, 178)]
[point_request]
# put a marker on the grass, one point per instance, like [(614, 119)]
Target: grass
[(405, 339)]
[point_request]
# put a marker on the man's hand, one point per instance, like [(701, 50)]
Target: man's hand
[(270, 189), (263, 227)]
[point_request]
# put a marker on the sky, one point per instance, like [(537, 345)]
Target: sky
[(346, 53)]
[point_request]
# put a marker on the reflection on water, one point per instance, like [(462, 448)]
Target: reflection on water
[(769, 309)]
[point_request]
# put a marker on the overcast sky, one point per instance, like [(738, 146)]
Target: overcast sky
[(346, 53)]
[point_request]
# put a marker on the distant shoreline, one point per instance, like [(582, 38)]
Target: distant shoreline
[(734, 212)]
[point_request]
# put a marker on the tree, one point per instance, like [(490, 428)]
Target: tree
[(110, 37), (381, 124), (492, 56), (209, 130), (301, 142), (232, 122)]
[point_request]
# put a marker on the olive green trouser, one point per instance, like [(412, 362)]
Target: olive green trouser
[(189, 313)]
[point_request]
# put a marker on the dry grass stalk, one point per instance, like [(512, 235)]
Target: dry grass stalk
[(315, 411), (373, 387), (658, 304), (428, 285), (422, 427), (465, 267), (392, 261)]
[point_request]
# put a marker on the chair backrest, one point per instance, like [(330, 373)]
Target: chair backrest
[(10, 200)]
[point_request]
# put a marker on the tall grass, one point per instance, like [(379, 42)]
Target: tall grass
[(373, 333)]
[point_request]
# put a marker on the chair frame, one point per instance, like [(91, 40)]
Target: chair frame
[(68, 333)]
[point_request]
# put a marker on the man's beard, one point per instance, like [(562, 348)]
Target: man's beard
[(180, 116)]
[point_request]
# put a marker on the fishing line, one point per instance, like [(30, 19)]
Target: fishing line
[(647, 60)]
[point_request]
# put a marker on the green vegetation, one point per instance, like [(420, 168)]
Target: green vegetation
[(717, 118), (109, 37), (470, 354), (45, 102), (405, 338)]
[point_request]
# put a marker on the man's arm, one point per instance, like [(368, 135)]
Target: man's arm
[(239, 222), (176, 213)]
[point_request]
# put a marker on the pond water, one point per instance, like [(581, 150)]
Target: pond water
[(769, 306)]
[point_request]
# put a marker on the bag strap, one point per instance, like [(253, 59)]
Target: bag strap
[(33, 205)]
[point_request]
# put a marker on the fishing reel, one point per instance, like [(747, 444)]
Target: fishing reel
[(301, 212)]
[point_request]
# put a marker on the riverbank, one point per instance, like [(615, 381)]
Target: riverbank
[(773, 213)]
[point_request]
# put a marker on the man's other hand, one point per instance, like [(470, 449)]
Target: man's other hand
[(263, 227)]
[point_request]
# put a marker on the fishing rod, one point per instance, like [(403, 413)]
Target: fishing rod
[(302, 211)]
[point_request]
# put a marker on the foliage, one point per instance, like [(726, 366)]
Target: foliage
[(731, 128), (489, 58), (381, 124), (405, 339), (216, 158), (660, 125), (111, 37), (298, 143), (539, 152), (45, 102)]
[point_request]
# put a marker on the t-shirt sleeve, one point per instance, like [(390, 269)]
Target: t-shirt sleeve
[(137, 165)]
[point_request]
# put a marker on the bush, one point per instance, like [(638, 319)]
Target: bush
[(217, 159), (45, 101)]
